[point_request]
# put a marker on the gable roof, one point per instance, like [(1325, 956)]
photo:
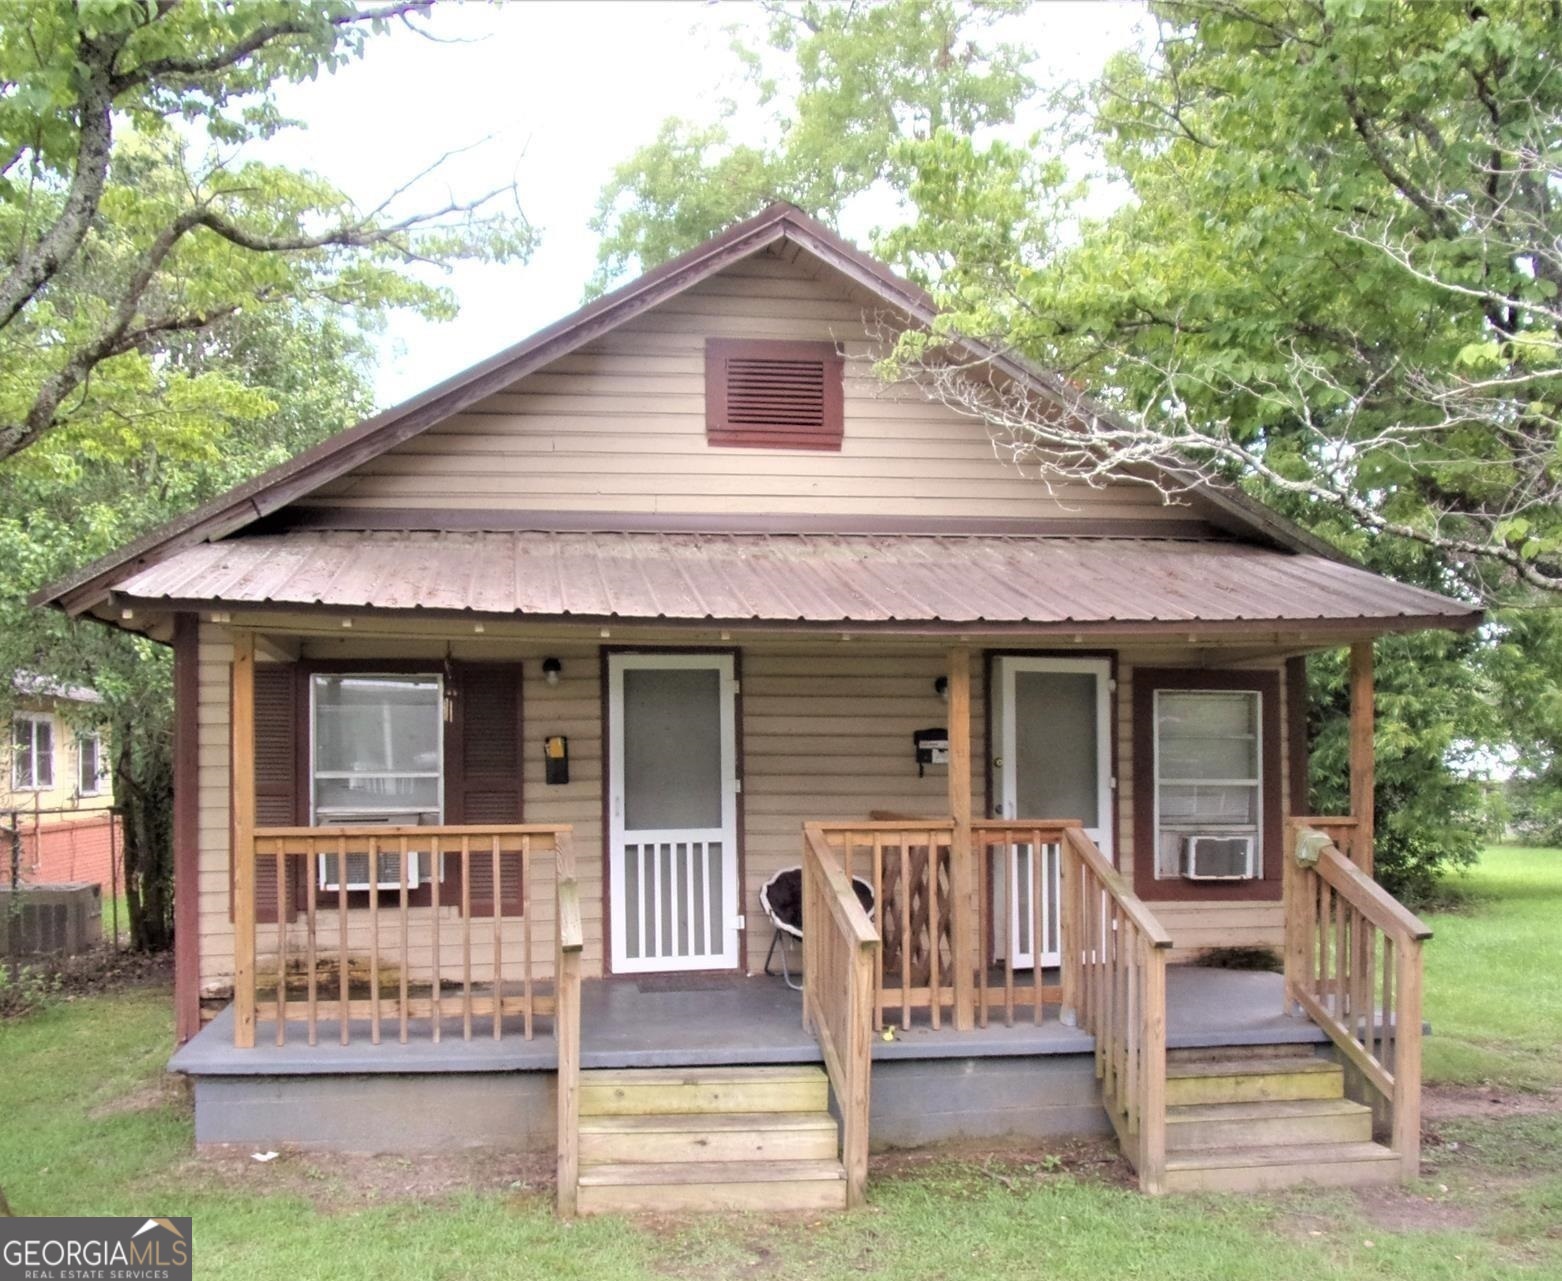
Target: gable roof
[(781, 222)]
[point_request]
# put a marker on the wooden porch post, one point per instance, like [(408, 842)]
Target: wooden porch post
[(1361, 762), (243, 803), (962, 870)]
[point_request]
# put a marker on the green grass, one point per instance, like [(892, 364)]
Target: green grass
[(1494, 975), (110, 904), (92, 1124)]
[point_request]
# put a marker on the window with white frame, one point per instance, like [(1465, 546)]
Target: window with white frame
[(1208, 784), (377, 757), (32, 752), (89, 764)]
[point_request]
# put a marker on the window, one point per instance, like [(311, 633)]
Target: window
[(1208, 774), (773, 395), (1208, 784), (32, 752), (89, 764), (377, 757)]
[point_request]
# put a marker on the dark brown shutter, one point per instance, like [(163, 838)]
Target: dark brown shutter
[(775, 395), (484, 761), (277, 802)]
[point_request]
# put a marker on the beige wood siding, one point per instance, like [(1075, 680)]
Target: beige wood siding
[(826, 731), (619, 425)]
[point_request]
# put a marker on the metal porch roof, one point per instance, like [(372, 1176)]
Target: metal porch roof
[(856, 579)]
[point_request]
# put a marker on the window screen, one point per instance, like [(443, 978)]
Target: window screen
[(378, 747), (1208, 769)]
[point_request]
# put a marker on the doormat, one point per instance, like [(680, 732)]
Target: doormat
[(685, 983)]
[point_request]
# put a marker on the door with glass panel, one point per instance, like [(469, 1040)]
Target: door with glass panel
[(672, 780), (1053, 743)]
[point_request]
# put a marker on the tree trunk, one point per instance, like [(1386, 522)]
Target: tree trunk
[(143, 788)]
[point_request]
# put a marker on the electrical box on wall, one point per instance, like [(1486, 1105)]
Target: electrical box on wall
[(555, 757), (931, 746)]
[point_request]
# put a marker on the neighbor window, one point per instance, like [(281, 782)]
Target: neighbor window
[(377, 758), (89, 764), (1208, 784), (32, 753)]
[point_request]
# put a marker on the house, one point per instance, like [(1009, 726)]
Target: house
[(57, 788), (498, 712)]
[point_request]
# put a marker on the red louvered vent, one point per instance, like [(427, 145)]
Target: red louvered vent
[(773, 395)]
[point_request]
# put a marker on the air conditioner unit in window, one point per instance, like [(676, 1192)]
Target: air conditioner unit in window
[(388, 873), (1213, 857)]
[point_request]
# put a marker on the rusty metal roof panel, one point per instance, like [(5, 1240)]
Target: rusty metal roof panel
[(854, 579)]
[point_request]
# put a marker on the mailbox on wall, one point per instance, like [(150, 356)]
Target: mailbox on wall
[(555, 756), (932, 747)]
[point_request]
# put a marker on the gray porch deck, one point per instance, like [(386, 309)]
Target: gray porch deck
[(704, 1020)]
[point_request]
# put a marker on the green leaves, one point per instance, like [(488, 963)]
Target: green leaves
[(851, 89)]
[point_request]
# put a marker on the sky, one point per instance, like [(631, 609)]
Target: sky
[(551, 96)]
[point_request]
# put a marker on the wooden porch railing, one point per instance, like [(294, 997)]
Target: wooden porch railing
[(377, 957), (840, 950), (1019, 867), (1114, 987), (1353, 965), (569, 941), (907, 864), (917, 973)]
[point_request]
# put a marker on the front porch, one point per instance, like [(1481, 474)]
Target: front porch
[(718, 1020), (422, 985)]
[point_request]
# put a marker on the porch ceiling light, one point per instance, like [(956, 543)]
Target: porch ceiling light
[(551, 669)]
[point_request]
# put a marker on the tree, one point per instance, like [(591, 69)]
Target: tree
[(1337, 277), (101, 269), (174, 317), (296, 377), (1254, 313), (842, 86)]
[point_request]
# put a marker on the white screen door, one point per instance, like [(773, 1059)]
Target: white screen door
[(1053, 739), (673, 857)]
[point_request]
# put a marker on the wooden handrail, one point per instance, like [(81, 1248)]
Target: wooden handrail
[(1353, 965), (1145, 921), (844, 908), (569, 943), (456, 829), (572, 934), (1114, 984), (839, 947), (1369, 898)]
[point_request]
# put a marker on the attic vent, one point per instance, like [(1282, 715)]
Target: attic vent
[(772, 395)]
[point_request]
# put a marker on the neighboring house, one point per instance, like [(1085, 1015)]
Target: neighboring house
[(57, 787), (497, 712)]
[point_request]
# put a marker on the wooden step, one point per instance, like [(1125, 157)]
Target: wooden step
[(768, 1186), (1246, 1169), (1232, 1053), (1250, 1080), (1266, 1123), (660, 1091), (734, 1136)]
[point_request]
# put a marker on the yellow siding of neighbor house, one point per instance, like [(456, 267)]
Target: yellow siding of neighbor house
[(619, 426), (826, 734), (62, 798)]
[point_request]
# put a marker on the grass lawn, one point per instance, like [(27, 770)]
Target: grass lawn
[(92, 1124), (1494, 975)]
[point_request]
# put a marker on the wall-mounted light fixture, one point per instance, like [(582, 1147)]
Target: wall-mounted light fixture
[(551, 669), (941, 687)]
